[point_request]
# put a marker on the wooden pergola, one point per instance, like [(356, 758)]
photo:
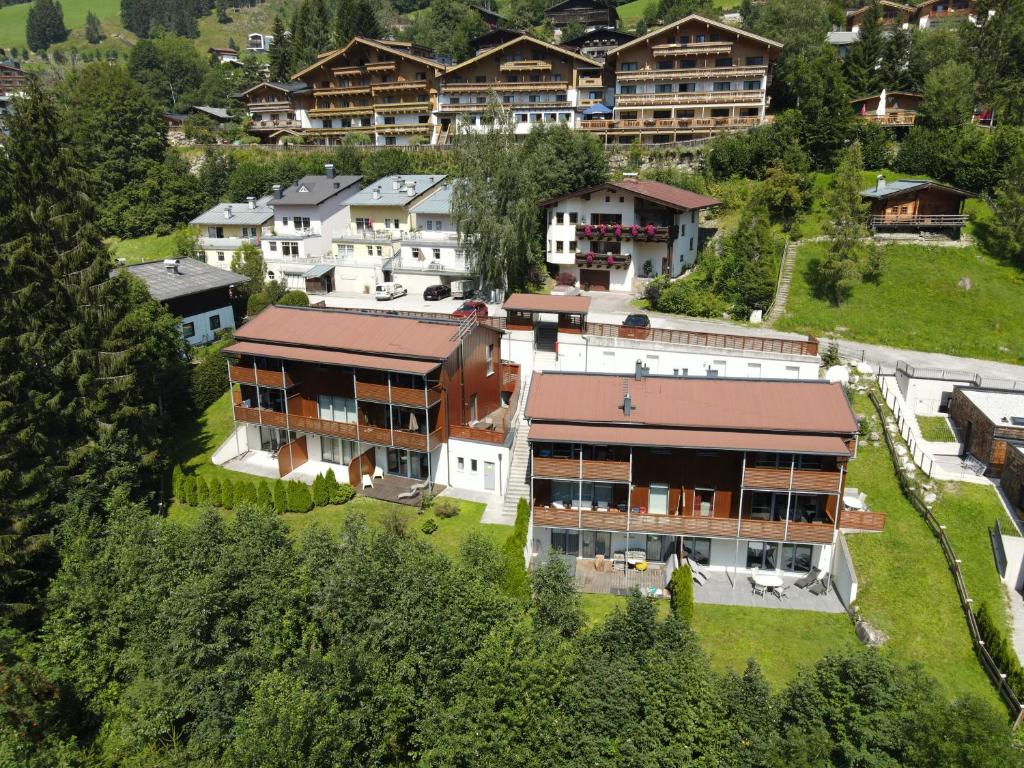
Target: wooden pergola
[(522, 309)]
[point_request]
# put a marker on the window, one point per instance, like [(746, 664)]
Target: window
[(753, 370), (797, 557), (762, 554), (723, 62), (665, 65), (490, 359), (362, 223), (565, 540), (751, 85), (220, 255), (627, 89), (755, 61), (390, 141), (214, 322), (663, 88), (573, 216), (472, 465), (698, 550), (628, 66), (437, 253), (301, 222), (290, 249), (337, 408), (461, 464), (188, 330), (273, 245), (284, 221), (597, 543), (215, 231), (704, 502), (389, 121), (723, 86)]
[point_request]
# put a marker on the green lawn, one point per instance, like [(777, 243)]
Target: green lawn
[(139, 249), (906, 589), (630, 13), (780, 641), (918, 304), (13, 17), (935, 429)]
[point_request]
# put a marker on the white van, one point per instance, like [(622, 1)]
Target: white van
[(463, 289), (388, 291)]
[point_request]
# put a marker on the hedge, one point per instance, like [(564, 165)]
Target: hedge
[(515, 581), (680, 589), (1001, 649)]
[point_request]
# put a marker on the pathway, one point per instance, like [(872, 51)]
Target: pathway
[(778, 307)]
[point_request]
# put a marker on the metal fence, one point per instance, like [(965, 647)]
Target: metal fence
[(922, 459), (942, 374), (996, 676)]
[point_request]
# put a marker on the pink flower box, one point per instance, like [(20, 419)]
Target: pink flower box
[(588, 230), (650, 230), (634, 230), (590, 258), (602, 228), (611, 260), (617, 231)]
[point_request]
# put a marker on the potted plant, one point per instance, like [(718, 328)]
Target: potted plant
[(618, 230), (650, 230), (611, 260), (590, 257), (587, 230), (634, 230), (602, 228)]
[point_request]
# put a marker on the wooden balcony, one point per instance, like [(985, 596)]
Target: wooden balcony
[(381, 66), (401, 85), (242, 374), (711, 98), (593, 232), (600, 260), (528, 65), (898, 118), (269, 106), (691, 49), (862, 520), (938, 221), (273, 125), (499, 85), (411, 107), (347, 90), (260, 416), (573, 469), (683, 525), (692, 73), (723, 341), (683, 124), (591, 82), (365, 109), (804, 480), (381, 393), (398, 130)]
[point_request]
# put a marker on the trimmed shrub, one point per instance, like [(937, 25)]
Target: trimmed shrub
[(245, 493), (178, 482), (263, 497), (227, 493), (202, 492), (331, 486), (215, 492), (299, 498), (429, 526), (515, 581), (190, 491), (445, 508), (256, 303), (294, 299), (280, 497), (1002, 651), (680, 588), (208, 380), (320, 495), (343, 494)]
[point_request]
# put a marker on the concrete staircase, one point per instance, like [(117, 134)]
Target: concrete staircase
[(519, 472), (778, 307)]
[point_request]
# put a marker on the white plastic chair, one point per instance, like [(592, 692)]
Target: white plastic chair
[(367, 482), (378, 471)]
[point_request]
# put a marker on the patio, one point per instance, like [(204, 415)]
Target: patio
[(391, 487)]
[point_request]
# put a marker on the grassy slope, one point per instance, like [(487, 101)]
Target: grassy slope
[(906, 589), (631, 13), (13, 17), (935, 428), (139, 249), (918, 305)]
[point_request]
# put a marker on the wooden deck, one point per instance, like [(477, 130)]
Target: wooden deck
[(609, 582), (390, 487)]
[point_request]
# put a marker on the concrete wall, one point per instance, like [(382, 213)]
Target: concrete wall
[(844, 575), (465, 477), (204, 334)]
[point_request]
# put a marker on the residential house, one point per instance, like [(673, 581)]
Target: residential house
[(307, 215), (732, 474), (916, 204), (379, 217), (488, 16), (277, 110), (226, 227), (890, 14), (199, 294), (13, 83), (1011, 479), (596, 42), (224, 55), (896, 109), (988, 422), (368, 88), (534, 80), (608, 235), (430, 252), (691, 78), (402, 398), (491, 38), (260, 43), (590, 13), (217, 114), (936, 13)]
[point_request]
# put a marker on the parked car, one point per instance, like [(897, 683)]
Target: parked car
[(436, 292), (463, 289), (470, 308), (637, 320), (388, 291)]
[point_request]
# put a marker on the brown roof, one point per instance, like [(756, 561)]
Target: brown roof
[(756, 405), (829, 445), (655, 191), (352, 332), (329, 357), (551, 303)]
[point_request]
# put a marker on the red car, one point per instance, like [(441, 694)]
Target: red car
[(470, 308)]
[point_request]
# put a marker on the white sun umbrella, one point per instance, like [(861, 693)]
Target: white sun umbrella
[(414, 425), (881, 105)]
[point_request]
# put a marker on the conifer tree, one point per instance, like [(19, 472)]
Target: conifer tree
[(280, 53), (93, 30), (45, 24), (862, 63)]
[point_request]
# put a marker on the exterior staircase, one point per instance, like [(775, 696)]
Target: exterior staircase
[(517, 486), (778, 307)]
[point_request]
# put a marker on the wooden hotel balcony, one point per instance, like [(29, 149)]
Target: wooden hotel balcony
[(242, 374), (803, 480), (574, 469), (382, 393)]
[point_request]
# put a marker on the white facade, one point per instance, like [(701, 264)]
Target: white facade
[(528, 110), (204, 326), (568, 248), (477, 466)]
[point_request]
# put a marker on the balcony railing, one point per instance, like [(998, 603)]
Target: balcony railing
[(692, 97), (588, 469), (434, 266), (366, 433), (683, 525), (925, 220), (382, 393), (414, 107), (269, 106), (245, 374), (678, 124), (593, 232), (345, 90), (363, 109), (500, 85), (804, 480), (724, 341), (601, 260), (891, 118), (401, 85), (692, 73), (227, 243), (527, 65), (591, 82), (273, 125), (691, 49), (862, 520)]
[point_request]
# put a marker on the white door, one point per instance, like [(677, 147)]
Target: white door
[(489, 475), (658, 504)]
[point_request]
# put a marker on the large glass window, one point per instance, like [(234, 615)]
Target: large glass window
[(797, 557), (762, 554), (597, 543), (698, 550), (565, 540), (659, 548), (704, 502), (336, 450), (337, 408), (272, 438)]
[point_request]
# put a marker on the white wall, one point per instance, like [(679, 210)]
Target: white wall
[(204, 334), (844, 575), (469, 451), (925, 395)]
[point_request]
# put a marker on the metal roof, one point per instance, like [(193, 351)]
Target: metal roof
[(548, 303), (232, 214), (655, 191), (332, 329), (890, 188), (758, 405), (315, 188), (998, 407), (319, 270), (438, 202), (330, 357), (842, 37), (217, 113), (383, 192), (191, 277)]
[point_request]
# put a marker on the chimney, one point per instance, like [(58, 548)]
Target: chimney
[(880, 183), (227, 211), (639, 371), (397, 183), (173, 266), (277, 191), (252, 202), (627, 404), (376, 193), (412, 189), (329, 170)]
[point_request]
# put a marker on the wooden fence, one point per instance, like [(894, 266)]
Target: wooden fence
[(725, 341), (966, 601)]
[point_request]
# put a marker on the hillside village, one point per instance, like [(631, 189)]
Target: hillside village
[(433, 383)]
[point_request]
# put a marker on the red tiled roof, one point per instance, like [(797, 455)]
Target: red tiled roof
[(330, 357), (549, 303), (754, 405), (828, 445), (353, 332), (655, 191)]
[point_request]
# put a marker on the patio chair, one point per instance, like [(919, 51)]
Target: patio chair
[(598, 562), (367, 482), (818, 588), (619, 562), (408, 494), (757, 588), (805, 581), (781, 592), (378, 472)]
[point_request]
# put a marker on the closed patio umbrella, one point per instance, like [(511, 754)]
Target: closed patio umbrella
[(414, 425)]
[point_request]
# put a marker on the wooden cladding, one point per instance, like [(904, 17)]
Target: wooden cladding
[(462, 432), (804, 480), (242, 374), (682, 525), (292, 455), (591, 469), (259, 416), (417, 398), (415, 441), (861, 520), (722, 341)]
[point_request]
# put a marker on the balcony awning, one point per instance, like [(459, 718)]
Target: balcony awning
[(318, 271), (596, 109)]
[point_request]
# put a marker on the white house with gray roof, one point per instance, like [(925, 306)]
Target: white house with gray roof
[(307, 215), (226, 227), (430, 252)]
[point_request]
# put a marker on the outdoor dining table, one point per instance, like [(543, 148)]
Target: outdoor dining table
[(769, 580), (852, 502)]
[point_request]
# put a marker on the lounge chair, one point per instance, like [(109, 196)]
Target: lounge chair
[(781, 592), (378, 472), (409, 494), (818, 588), (805, 581), (367, 482)]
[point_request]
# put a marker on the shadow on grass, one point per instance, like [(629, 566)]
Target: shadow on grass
[(816, 281)]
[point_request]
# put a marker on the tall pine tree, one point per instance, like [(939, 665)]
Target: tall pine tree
[(280, 53), (45, 25), (862, 72)]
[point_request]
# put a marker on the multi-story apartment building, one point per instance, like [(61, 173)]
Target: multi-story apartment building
[(589, 13), (430, 252), (307, 215), (891, 15), (536, 81), (596, 42), (379, 217), (736, 474), (690, 78), (277, 110), (427, 400), (13, 82), (385, 92), (226, 227), (610, 234)]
